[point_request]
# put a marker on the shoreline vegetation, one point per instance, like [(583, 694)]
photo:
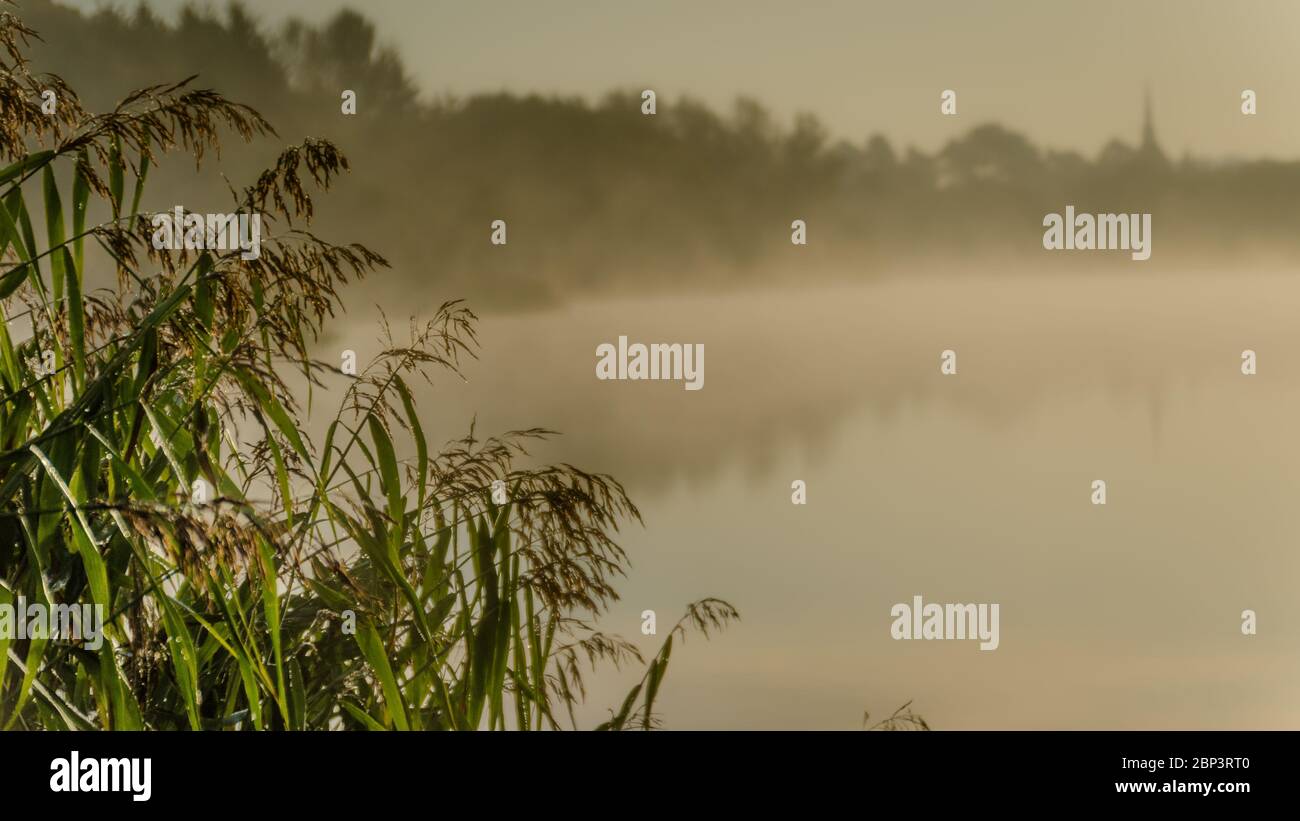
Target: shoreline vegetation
[(601, 198), (153, 464)]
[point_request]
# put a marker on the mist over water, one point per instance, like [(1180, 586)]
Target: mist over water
[(973, 487), (822, 364)]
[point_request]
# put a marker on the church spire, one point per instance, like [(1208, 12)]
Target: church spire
[(1148, 126)]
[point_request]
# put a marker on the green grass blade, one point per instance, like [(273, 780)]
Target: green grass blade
[(372, 647)]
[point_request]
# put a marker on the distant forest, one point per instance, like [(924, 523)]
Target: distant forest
[(599, 197)]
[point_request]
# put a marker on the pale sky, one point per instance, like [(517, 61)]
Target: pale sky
[(1069, 74)]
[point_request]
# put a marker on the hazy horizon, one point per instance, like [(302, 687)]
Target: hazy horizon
[(877, 67)]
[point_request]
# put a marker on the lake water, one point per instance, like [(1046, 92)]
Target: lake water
[(967, 488)]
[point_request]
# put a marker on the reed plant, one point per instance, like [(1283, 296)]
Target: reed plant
[(315, 584)]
